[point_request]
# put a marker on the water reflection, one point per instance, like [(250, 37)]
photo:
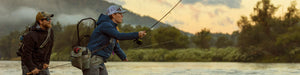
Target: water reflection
[(169, 68)]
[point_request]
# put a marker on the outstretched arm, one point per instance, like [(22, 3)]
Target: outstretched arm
[(110, 30)]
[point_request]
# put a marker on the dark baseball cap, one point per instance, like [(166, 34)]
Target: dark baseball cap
[(42, 15)]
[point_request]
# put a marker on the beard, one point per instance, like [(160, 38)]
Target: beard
[(47, 25)]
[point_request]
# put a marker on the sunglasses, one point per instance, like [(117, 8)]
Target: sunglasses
[(48, 19)]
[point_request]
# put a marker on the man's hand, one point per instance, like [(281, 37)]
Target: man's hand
[(35, 71), (125, 59), (142, 34), (45, 66)]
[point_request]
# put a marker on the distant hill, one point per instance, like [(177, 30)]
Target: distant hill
[(90, 8)]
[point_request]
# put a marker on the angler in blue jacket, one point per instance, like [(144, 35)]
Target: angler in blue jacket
[(106, 34)]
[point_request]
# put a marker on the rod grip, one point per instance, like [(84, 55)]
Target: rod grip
[(138, 41)]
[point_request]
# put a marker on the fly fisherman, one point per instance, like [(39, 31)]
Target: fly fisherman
[(37, 46), (105, 37)]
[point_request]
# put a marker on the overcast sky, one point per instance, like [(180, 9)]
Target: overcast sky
[(194, 15), (14, 12), (190, 16)]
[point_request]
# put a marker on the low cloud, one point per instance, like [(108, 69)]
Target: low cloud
[(229, 3), (67, 19), (119, 2), (22, 15)]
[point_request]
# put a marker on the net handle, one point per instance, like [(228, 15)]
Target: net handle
[(78, 38)]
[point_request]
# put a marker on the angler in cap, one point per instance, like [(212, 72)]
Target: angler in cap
[(105, 37), (37, 46)]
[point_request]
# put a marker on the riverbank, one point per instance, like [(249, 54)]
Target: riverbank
[(229, 54)]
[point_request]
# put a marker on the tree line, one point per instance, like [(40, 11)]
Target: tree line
[(263, 37)]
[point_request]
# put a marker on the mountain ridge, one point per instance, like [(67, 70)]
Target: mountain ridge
[(85, 8)]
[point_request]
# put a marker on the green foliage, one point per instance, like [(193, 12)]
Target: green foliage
[(268, 35), (66, 38), (9, 45), (62, 55), (57, 27), (169, 34), (202, 39), (223, 41), (289, 40), (146, 54), (234, 38), (190, 54), (263, 15)]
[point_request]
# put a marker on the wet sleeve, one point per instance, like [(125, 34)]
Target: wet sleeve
[(109, 29), (27, 52), (119, 52)]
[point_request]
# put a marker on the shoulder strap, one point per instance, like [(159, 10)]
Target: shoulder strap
[(46, 40), (100, 48)]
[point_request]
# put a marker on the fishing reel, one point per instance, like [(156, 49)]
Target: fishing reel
[(138, 41)]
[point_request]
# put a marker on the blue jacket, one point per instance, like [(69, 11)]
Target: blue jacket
[(104, 33)]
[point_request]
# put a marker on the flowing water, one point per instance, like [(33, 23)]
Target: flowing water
[(168, 68)]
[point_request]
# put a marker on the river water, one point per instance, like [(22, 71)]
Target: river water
[(168, 68)]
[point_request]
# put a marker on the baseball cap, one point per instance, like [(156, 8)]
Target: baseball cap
[(114, 9), (42, 15)]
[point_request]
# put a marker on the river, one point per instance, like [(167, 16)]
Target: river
[(168, 68)]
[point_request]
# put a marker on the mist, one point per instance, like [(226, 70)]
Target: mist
[(23, 12), (16, 14)]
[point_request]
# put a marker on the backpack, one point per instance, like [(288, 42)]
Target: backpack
[(21, 38), (81, 56)]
